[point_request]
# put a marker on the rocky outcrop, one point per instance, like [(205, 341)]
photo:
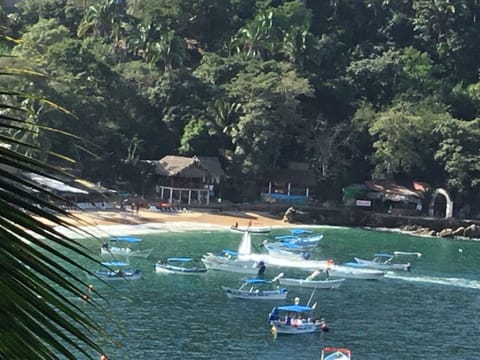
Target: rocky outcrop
[(441, 227), (353, 217)]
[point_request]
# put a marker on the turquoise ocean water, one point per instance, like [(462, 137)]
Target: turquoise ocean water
[(433, 312)]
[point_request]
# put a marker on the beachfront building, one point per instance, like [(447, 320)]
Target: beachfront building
[(289, 185), (181, 180)]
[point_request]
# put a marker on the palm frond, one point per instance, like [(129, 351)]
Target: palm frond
[(39, 265)]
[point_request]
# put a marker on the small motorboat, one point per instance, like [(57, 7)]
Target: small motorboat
[(334, 353), (295, 319), (380, 261), (261, 230), (115, 271), (257, 289), (355, 272), (180, 265), (107, 248), (227, 260), (311, 282)]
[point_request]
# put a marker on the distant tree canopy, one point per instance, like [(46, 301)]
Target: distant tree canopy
[(357, 89)]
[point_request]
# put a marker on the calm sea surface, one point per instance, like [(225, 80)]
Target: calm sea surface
[(433, 312)]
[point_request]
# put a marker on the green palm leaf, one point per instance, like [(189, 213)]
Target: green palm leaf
[(38, 277)]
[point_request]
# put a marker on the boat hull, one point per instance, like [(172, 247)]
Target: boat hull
[(317, 284), (119, 275), (251, 229), (379, 266), (255, 295), (165, 269), (213, 262), (278, 251), (280, 327), (119, 251), (349, 272)]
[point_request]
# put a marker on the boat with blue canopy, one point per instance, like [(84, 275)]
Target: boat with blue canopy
[(257, 289), (295, 319), (180, 265)]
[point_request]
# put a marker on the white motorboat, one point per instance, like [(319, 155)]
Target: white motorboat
[(261, 230), (311, 282), (257, 289), (353, 272), (381, 262), (227, 260), (334, 353), (295, 319), (107, 248), (245, 254), (180, 265)]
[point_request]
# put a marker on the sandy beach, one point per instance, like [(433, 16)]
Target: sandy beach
[(115, 222)]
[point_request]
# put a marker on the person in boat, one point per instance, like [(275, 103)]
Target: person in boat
[(119, 273), (324, 325), (261, 268), (288, 319)]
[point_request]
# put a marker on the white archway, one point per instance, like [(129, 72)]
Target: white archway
[(449, 206)]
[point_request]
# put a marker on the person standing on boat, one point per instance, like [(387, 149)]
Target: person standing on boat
[(288, 319), (261, 268)]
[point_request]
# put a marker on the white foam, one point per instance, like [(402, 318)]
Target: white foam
[(140, 229), (448, 281)]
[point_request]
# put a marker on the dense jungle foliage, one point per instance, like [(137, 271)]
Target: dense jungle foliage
[(359, 89)]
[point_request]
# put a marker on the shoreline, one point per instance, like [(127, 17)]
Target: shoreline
[(115, 222)]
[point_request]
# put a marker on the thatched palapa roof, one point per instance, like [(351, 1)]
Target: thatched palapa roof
[(192, 167)]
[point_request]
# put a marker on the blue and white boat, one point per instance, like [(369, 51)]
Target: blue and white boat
[(334, 353), (108, 248), (180, 265), (295, 319), (116, 271), (257, 289), (299, 240)]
